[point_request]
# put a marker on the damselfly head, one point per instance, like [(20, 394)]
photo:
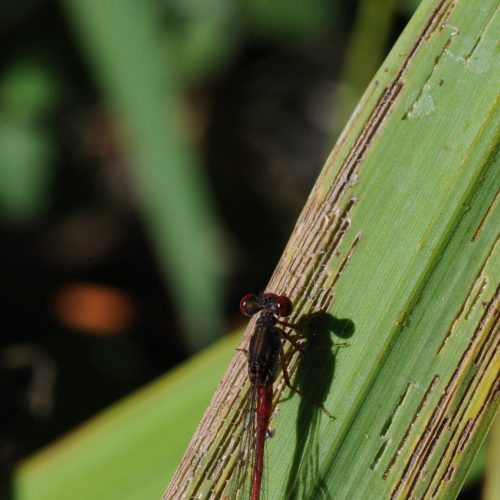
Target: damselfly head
[(277, 304), (252, 303)]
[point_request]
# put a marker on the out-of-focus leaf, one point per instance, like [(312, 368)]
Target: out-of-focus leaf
[(26, 155), (124, 46), (28, 92), (127, 452), (294, 19)]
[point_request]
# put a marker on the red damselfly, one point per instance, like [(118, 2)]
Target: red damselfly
[(265, 353)]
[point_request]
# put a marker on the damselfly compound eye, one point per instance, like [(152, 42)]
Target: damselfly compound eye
[(284, 305), (249, 305)]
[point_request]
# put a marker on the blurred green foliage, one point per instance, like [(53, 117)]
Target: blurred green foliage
[(142, 56), (130, 450), (28, 94), (142, 88)]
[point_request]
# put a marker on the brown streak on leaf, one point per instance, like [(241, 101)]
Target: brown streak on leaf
[(388, 422), (420, 407), (465, 436), (467, 57), (442, 19), (479, 284), (483, 220), (378, 456), (484, 334)]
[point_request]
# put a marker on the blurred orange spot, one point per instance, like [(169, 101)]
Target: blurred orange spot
[(99, 309)]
